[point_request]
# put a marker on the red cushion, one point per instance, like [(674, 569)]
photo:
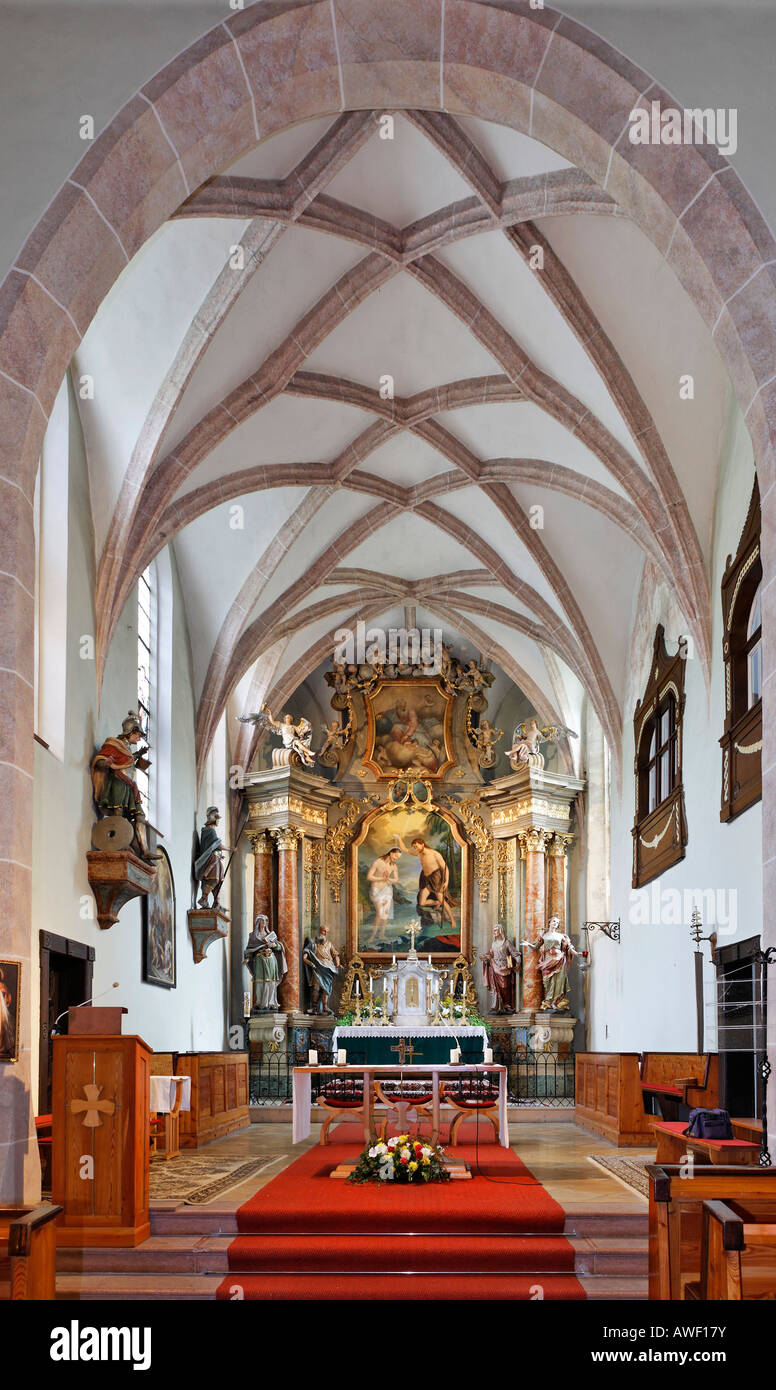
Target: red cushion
[(472, 1098), (665, 1090), (679, 1126)]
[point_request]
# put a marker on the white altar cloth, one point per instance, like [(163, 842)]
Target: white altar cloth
[(392, 1030), (163, 1093), (302, 1089)]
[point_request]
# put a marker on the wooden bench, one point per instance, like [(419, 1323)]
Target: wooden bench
[(676, 1199), (673, 1144), (738, 1254), (689, 1079), (28, 1252)]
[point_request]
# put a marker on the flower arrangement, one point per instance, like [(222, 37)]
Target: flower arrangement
[(400, 1159), (450, 1009)]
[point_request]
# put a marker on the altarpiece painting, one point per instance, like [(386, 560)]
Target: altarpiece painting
[(409, 726), (409, 865)]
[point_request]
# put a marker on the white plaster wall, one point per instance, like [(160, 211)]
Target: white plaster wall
[(190, 1017), (643, 991)]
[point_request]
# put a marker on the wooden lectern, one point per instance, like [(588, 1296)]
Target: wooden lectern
[(101, 1108), (85, 1019)]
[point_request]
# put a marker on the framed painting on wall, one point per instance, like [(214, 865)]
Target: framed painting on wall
[(10, 985), (159, 961), (409, 865), (408, 728)]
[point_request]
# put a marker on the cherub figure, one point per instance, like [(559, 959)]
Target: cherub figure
[(486, 739), (336, 738)]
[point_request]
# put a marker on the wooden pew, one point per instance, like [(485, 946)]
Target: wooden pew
[(690, 1079), (28, 1252), (738, 1254), (676, 1200), (673, 1144), (608, 1098)]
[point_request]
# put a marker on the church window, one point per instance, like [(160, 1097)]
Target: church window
[(145, 628), (660, 830), (741, 741)]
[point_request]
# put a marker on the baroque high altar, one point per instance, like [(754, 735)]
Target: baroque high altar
[(392, 868)]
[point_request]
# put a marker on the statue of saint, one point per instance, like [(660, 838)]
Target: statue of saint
[(500, 967), (321, 965), (115, 789), (209, 863), (555, 956), (266, 960)]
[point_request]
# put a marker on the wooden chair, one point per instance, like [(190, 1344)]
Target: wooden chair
[(676, 1199), (730, 1234), (343, 1097), (472, 1095), (28, 1252), (402, 1096)]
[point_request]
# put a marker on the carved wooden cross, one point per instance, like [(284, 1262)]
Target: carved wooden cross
[(92, 1105), (403, 1048)]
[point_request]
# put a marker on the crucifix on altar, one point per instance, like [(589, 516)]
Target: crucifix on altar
[(405, 1049)]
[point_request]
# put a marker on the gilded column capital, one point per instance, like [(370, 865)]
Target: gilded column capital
[(533, 841), (261, 843), (286, 837), (559, 845)]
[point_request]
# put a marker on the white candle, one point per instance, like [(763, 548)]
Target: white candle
[(429, 957), (489, 1054), (312, 1057), (394, 959), (341, 1055), (371, 985)]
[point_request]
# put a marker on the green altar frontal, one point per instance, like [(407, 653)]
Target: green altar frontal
[(380, 1046)]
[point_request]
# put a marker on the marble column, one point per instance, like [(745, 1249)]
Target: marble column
[(262, 876), (556, 887), (532, 849), (287, 841)]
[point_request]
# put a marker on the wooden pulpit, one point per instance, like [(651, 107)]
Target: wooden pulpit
[(100, 1152)]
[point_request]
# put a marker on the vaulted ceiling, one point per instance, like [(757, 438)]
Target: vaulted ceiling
[(431, 377)]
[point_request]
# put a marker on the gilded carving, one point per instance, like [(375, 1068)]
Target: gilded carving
[(338, 837), (285, 804), (468, 808)]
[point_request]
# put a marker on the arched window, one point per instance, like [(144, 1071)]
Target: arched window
[(741, 742), (660, 830), (145, 669)]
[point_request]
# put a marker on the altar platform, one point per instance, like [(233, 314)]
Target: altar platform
[(368, 1043)]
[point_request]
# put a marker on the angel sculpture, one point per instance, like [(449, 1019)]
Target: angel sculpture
[(485, 740), (296, 737), (337, 736), (527, 738)]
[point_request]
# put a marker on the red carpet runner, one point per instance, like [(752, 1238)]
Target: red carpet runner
[(308, 1236)]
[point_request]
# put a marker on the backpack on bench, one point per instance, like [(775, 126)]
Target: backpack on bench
[(708, 1124)]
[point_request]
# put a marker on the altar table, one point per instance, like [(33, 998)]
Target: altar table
[(302, 1091), (374, 1043)]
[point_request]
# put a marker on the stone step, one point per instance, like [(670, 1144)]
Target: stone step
[(176, 1254), (154, 1286), (211, 1221)]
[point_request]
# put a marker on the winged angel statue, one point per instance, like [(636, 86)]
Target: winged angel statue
[(527, 738)]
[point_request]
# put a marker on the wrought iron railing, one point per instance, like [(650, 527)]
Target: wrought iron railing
[(533, 1078)]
